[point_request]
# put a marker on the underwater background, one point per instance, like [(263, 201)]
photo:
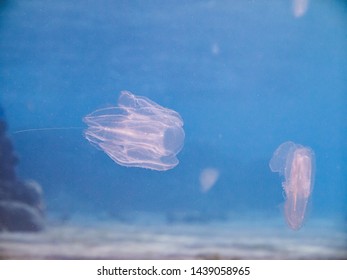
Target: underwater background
[(245, 76)]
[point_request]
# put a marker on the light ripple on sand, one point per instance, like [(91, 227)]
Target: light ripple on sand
[(222, 240)]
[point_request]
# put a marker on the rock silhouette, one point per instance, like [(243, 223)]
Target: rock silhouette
[(21, 202)]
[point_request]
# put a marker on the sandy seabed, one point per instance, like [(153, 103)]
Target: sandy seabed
[(148, 239)]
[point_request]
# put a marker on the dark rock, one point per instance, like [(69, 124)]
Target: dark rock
[(8, 159), (21, 203), (17, 216), (29, 192)]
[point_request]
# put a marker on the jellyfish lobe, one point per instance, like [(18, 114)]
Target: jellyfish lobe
[(137, 133), (296, 164)]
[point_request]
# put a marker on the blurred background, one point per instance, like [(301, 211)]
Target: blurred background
[(245, 76)]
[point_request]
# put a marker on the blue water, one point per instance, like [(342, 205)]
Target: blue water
[(245, 76)]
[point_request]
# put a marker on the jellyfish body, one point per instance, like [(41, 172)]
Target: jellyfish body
[(137, 133), (296, 164)]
